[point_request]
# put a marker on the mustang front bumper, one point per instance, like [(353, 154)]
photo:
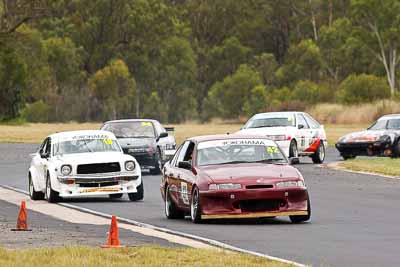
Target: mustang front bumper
[(96, 185), (257, 203)]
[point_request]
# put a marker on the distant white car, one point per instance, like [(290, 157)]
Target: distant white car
[(83, 163), (297, 133)]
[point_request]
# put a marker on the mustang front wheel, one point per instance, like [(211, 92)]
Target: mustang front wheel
[(139, 195), (195, 208), (51, 195), (35, 195)]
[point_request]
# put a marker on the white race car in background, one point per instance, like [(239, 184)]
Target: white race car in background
[(297, 133), (83, 163)]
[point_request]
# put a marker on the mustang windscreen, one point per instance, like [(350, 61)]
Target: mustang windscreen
[(134, 129), (86, 146), (242, 151), (276, 121)]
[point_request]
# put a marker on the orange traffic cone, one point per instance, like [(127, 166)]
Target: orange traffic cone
[(113, 239), (22, 221)]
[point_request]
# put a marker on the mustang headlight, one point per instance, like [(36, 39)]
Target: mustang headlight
[(66, 170), (290, 184), (224, 186), (130, 165)]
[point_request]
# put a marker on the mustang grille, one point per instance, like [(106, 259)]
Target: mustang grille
[(259, 205), (98, 168), (97, 184)]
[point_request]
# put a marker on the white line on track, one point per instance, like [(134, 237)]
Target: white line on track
[(144, 228)]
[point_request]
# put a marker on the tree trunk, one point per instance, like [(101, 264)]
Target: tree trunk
[(330, 12), (389, 63), (313, 21)]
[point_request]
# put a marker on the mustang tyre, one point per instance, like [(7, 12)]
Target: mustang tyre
[(139, 195), (51, 195), (35, 195)]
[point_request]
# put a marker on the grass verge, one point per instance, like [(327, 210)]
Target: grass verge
[(136, 256), (385, 166), (36, 132)]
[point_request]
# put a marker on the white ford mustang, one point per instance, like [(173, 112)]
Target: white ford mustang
[(83, 163)]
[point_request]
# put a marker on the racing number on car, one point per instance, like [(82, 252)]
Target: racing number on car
[(184, 193)]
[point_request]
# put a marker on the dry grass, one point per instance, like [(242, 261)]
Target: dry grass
[(386, 166), (353, 114), (138, 256), (36, 132)]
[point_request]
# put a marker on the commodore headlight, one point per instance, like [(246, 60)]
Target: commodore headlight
[(290, 184), (277, 137), (66, 170), (130, 165), (224, 186)]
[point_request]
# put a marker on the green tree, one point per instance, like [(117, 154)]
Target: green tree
[(362, 88), (114, 89), (229, 96), (378, 25), (303, 62)]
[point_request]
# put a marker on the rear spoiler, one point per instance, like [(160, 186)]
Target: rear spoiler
[(170, 129)]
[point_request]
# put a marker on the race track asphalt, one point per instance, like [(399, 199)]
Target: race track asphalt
[(355, 217)]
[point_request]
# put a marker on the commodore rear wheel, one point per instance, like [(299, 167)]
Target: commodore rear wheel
[(35, 195), (195, 208), (171, 211)]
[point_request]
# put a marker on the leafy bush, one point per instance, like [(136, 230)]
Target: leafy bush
[(362, 88), (229, 96), (36, 112), (257, 101), (307, 92)]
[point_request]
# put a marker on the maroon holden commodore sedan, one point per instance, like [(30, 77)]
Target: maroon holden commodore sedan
[(233, 176)]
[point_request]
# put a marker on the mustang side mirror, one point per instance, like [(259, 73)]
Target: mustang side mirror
[(293, 161), (300, 126), (44, 155), (185, 165)]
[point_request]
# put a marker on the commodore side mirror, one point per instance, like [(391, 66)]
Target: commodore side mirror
[(185, 165)]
